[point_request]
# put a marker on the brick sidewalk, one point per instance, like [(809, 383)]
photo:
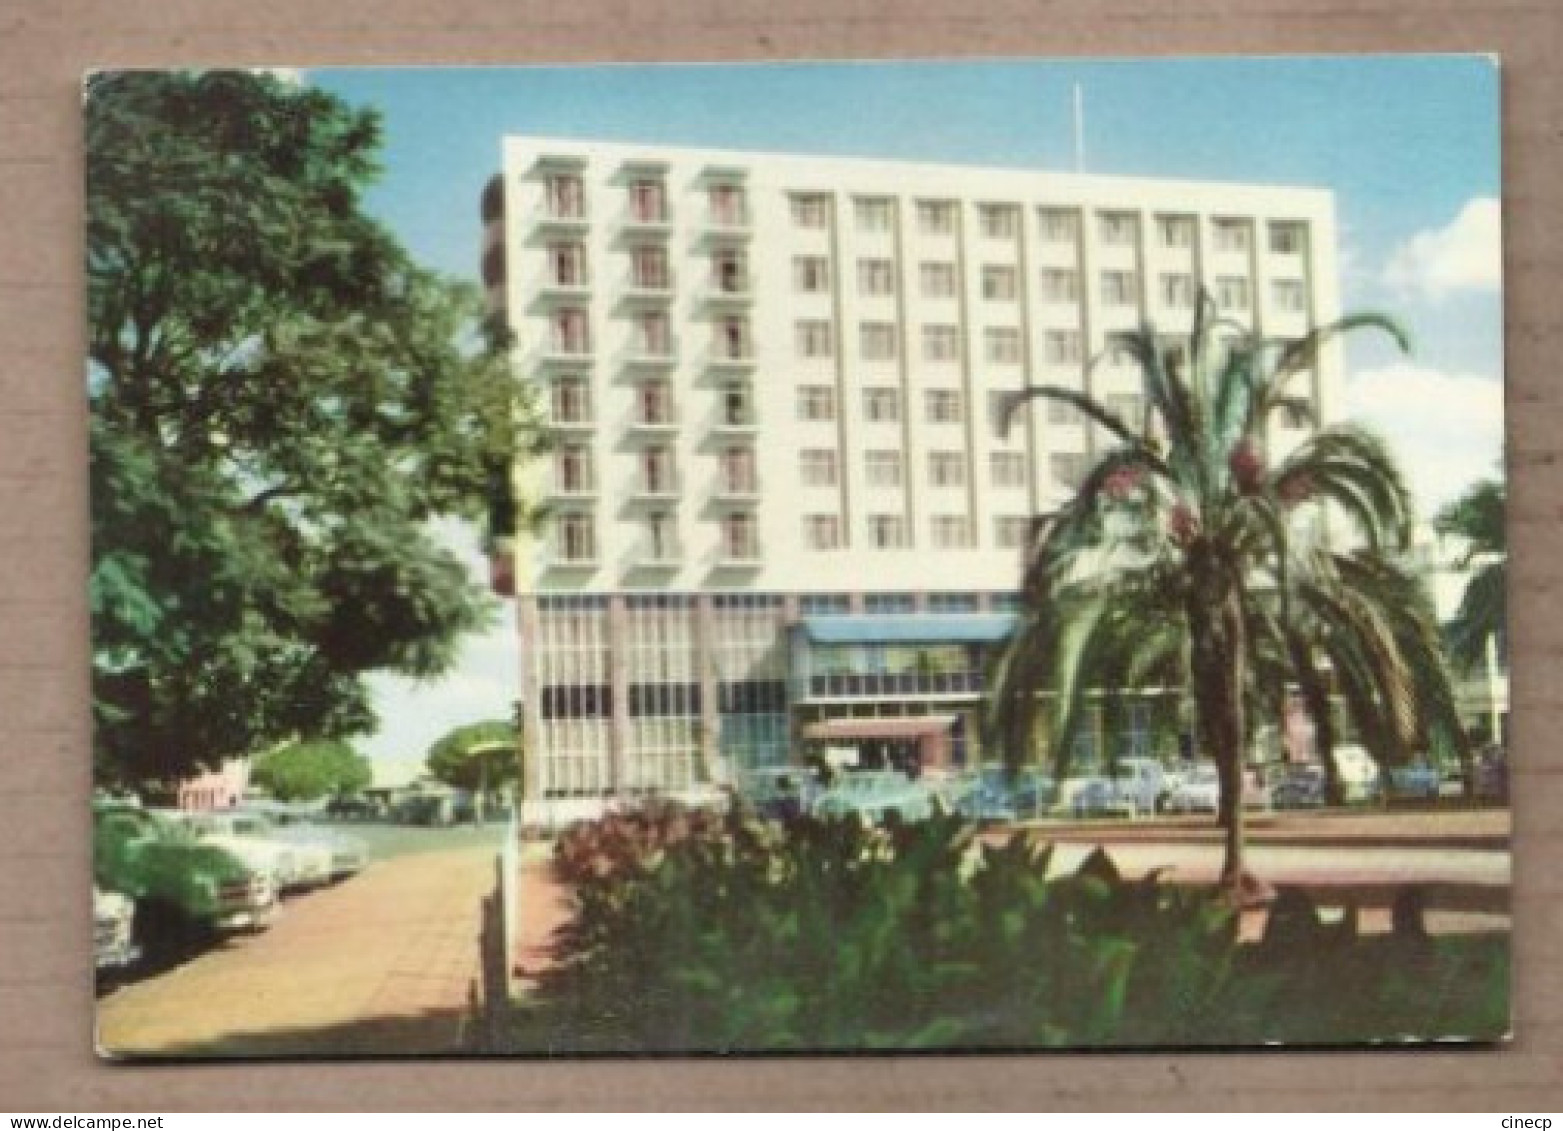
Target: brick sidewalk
[(381, 964), (543, 905)]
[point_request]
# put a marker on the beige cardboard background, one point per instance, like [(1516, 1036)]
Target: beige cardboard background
[(46, 1062)]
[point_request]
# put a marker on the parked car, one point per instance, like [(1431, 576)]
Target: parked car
[(1357, 774), (1030, 793), (1196, 790), (780, 793), (346, 855), (181, 887), (1132, 787), (874, 795), (1492, 775), (113, 930), (1298, 787), (253, 839), (1417, 781)]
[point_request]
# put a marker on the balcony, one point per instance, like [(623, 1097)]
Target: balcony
[(739, 554), (581, 421), (651, 355), (652, 288), (733, 422), (738, 488), (660, 423), (559, 560), (553, 218), (565, 352), (730, 356), (661, 488), (729, 290), (578, 490), (663, 553), (647, 221)]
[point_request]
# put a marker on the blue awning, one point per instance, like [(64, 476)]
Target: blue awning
[(933, 628)]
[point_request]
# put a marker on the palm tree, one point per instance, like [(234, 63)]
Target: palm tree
[(1477, 518), (1187, 558)]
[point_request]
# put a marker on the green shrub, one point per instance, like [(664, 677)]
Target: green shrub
[(697, 933)]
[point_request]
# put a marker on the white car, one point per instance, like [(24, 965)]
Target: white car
[(1198, 790), (348, 854), (1134, 786), (249, 838), (113, 930)]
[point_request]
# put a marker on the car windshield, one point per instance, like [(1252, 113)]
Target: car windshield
[(1202, 775)]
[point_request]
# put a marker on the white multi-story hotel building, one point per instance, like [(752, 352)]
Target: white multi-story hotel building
[(778, 502)]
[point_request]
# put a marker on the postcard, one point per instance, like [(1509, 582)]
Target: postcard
[(808, 557)]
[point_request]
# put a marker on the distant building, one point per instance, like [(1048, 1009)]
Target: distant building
[(781, 508), (216, 789)]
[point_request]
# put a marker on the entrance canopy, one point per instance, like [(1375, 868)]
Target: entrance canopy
[(896, 728), (939, 628)]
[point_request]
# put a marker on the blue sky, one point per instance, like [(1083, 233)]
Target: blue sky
[(1409, 144)]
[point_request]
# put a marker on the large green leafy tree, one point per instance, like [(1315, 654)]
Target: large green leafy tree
[(281, 401), (1189, 557), (476, 756), (307, 771), (1477, 518)]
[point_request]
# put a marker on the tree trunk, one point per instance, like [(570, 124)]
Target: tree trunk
[(1219, 667)]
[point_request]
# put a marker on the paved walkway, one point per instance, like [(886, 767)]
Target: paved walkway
[(381, 964)]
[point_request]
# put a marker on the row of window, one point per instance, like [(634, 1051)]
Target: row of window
[(646, 199), (1057, 225), (820, 467), (1000, 283), (657, 471), (570, 403), (575, 538), (651, 335), (889, 531), (649, 267)]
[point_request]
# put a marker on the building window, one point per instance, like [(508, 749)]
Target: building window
[(950, 532), (1009, 531), (740, 538), (1001, 345), (938, 280), (655, 402), (729, 209), (660, 542), (1060, 285), (1068, 468), (1059, 225), (817, 467), (571, 401), (729, 271), (941, 343), (653, 334), (732, 338), (573, 469), (813, 338), (1287, 237), (567, 264), (873, 213), (1175, 231), (882, 468), (936, 217), (649, 269), (810, 274), (999, 221), (810, 210), (738, 472), (1229, 235), (876, 341), (1062, 347), (1118, 288), (952, 602), (881, 406), (648, 202), (1060, 412), (999, 413), (875, 277), (889, 604), (575, 538), (1231, 292), (571, 334), (946, 469), (657, 471), (1007, 469), (737, 405), (566, 195), (1118, 228), (822, 531), (942, 406), (998, 284), (816, 402), (1121, 349), (825, 604), (886, 531), (1177, 290), (1288, 296)]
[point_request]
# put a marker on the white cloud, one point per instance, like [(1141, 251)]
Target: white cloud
[(1464, 255), (1446, 429), (292, 76)]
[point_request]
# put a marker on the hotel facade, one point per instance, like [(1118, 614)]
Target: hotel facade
[(779, 505)]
